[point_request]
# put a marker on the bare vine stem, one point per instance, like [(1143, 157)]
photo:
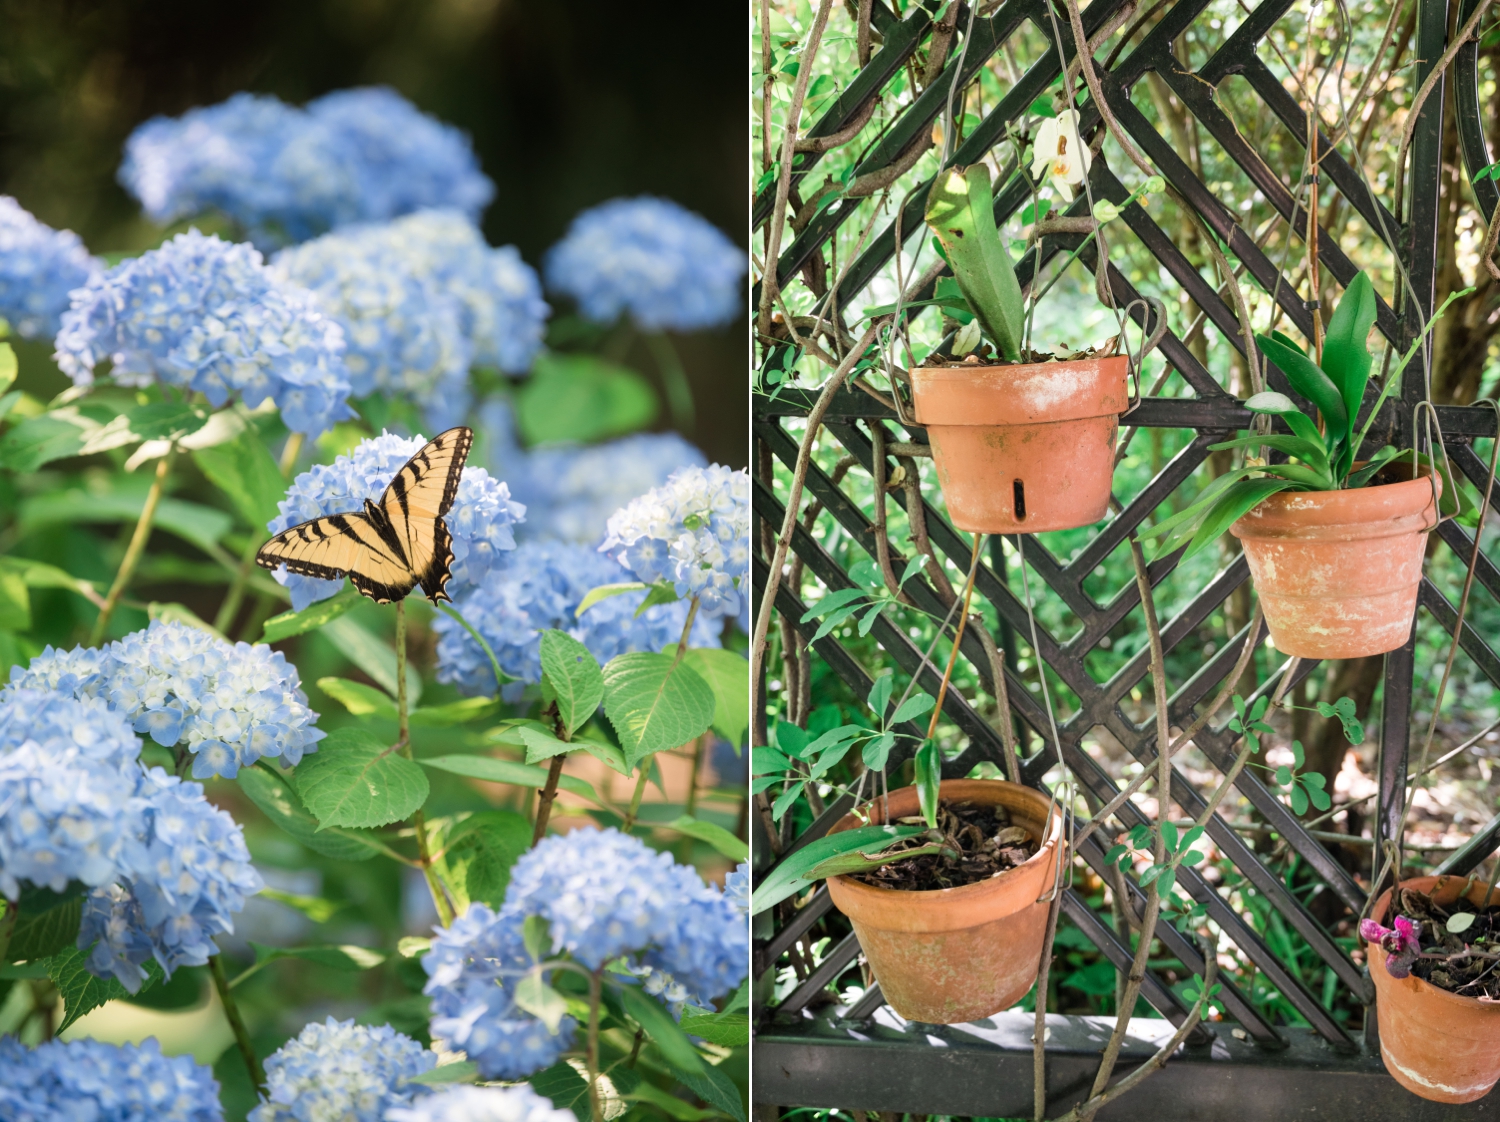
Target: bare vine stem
[(135, 549)]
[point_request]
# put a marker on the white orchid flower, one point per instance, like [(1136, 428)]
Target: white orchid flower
[(1058, 154)]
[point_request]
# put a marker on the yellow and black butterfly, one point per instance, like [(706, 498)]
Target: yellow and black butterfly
[(391, 546)]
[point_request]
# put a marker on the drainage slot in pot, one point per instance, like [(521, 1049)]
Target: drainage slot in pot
[(1019, 490)]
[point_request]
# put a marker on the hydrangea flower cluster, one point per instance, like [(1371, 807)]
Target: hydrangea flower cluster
[(501, 309), (540, 586), (184, 871), (693, 530), (481, 1104), (97, 1082), (605, 896), (287, 174), (67, 792), (1402, 943), (737, 887), (207, 315), (229, 703), (402, 334), (472, 970), (665, 266), (340, 1070), (481, 520), (39, 266)]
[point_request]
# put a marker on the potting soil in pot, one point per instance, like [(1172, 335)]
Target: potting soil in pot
[(1476, 974), (981, 843)]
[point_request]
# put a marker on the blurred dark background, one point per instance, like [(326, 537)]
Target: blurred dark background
[(568, 104)]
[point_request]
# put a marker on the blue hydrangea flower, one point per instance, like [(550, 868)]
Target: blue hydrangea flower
[(500, 296), (207, 315), (517, 1103), (67, 790), (340, 1070), (665, 266), (737, 887), (405, 160), (402, 333), (91, 1081), (183, 873), (472, 970), (39, 266), (286, 174), (606, 895), (694, 531), (540, 586), (571, 491), (480, 520), (228, 703)]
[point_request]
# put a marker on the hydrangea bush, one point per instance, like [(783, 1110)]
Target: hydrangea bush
[(252, 801)]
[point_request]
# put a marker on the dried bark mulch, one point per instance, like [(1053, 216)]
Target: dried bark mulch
[(982, 843)]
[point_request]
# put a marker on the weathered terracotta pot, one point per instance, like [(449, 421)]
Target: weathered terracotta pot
[(958, 954), (1436, 1044), (1023, 448), (1337, 572)]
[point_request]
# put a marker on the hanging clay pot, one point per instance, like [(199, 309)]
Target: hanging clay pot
[(1023, 448), (1337, 572), (958, 954), (1439, 1045)]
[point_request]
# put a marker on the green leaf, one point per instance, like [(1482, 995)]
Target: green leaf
[(40, 440), (536, 935), (575, 676), (541, 1000), (717, 1089), (1309, 380), (661, 593), (1240, 498), (863, 861), (161, 420), (912, 708), (1169, 836), (878, 750), (1311, 452), (833, 600), (880, 695), (506, 771), (477, 855), (728, 676), (792, 875), (765, 760), (928, 778), (46, 923), (653, 704), (453, 713), (280, 804), (15, 602), (464, 1071), (356, 779), (311, 617), (582, 397), (730, 1030), (199, 525), (652, 1016), (960, 212), (604, 592), (358, 698), (1457, 924), (716, 836), (1346, 352), (1299, 800), (245, 471), (8, 366), (314, 908), (373, 655), (347, 957), (81, 992), (785, 800), (564, 1087)]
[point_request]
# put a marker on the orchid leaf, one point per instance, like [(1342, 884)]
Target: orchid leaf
[(1308, 379), (1346, 352)]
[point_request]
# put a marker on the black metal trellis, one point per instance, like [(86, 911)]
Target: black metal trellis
[(862, 1056)]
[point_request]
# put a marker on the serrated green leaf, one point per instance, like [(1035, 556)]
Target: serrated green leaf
[(564, 1087), (653, 704), (160, 420), (358, 698), (40, 440), (728, 1029), (309, 618), (716, 836), (728, 676), (478, 853), (356, 779), (543, 745), (652, 1016), (46, 923), (717, 1089), (575, 676), (81, 992), (280, 804)]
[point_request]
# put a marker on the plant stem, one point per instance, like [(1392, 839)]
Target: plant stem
[(687, 628), (8, 925), (674, 380), (403, 743), (453, 613), (134, 550), (236, 594), (958, 637), (237, 1023), (546, 796), (596, 987), (692, 795), (635, 799)]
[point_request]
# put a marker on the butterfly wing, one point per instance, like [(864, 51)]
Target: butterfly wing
[(416, 501), (340, 545)]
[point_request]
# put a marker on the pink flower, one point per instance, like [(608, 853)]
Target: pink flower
[(1401, 945)]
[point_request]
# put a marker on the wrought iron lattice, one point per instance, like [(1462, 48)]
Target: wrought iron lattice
[(855, 1057)]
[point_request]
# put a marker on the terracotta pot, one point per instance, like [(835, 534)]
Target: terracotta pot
[(958, 954), (1434, 1043), (1023, 448), (1337, 572)]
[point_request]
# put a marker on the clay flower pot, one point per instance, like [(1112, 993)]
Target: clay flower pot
[(1023, 448), (1337, 572), (958, 954), (1436, 1044)]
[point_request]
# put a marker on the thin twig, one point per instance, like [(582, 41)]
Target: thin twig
[(135, 549)]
